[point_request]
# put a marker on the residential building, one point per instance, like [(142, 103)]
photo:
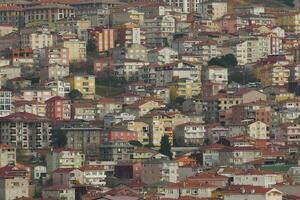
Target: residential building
[(59, 192), (185, 87), (54, 55), (128, 69), (157, 170), (105, 39), (158, 30), (58, 108), (112, 119), (162, 55), (142, 130), (83, 111), (288, 132), (128, 36), (54, 72), (256, 178), (122, 135), (85, 84), (37, 39), (7, 155), (160, 125), (187, 6), (116, 150), (39, 95), (18, 128), (12, 187), (258, 130), (67, 177), (5, 102), (77, 49), (59, 88), (289, 22), (93, 175), (215, 74), (106, 106), (141, 107), (189, 134), (212, 9), (50, 13), (64, 158)]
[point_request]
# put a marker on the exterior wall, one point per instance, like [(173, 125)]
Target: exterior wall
[(11, 188)]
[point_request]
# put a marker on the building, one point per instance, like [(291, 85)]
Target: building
[(5, 102), (12, 187), (158, 30), (142, 130), (158, 170), (105, 39), (50, 13), (59, 88), (85, 84), (128, 36), (18, 128), (251, 193), (107, 106), (83, 110), (289, 22), (7, 155), (258, 130), (77, 49), (215, 74), (256, 178), (116, 150), (64, 158), (58, 192), (58, 108), (162, 55), (54, 72), (54, 55), (187, 6), (189, 134), (160, 125), (212, 9), (93, 175), (37, 39), (185, 87)]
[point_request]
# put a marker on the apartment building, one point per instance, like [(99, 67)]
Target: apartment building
[(7, 155), (5, 102), (54, 55), (212, 9), (12, 187), (77, 49), (58, 108), (105, 39), (158, 30), (187, 6), (26, 131), (189, 134), (84, 84), (158, 170), (64, 158), (37, 39), (59, 88)]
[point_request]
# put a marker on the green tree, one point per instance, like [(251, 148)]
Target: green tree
[(59, 139), (227, 61), (165, 146), (135, 143), (75, 94)]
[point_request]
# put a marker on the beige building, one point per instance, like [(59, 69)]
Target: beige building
[(64, 158), (141, 128), (258, 130), (12, 187), (77, 49), (54, 72), (58, 192), (37, 39), (6, 29), (213, 9), (7, 155)]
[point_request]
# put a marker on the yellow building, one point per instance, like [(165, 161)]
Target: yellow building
[(142, 130), (160, 125), (84, 84), (185, 87), (77, 49), (6, 29), (284, 96), (280, 76), (290, 22)]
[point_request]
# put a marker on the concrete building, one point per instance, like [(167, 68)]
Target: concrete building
[(59, 192), (64, 158), (54, 55), (189, 134), (158, 170), (7, 155), (84, 84), (158, 30), (212, 9), (116, 150), (50, 13), (58, 108), (37, 39), (105, 39), (77, 49), (59, 88), (187, 6), (54, 72), (162, 55), (17, 128), (258, 130), (12, 187), (5, 102)]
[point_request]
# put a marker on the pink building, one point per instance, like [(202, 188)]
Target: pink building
[(122, 134)]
